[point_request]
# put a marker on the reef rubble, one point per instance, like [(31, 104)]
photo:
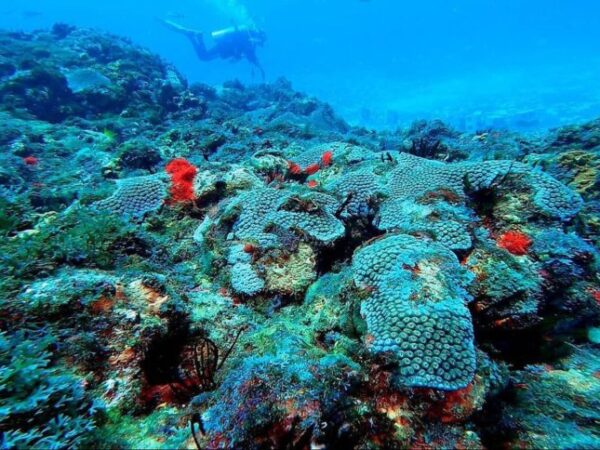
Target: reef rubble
[(236, 267)]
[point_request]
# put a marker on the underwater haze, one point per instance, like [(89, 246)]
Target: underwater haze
[(388, 240), (475, 64)]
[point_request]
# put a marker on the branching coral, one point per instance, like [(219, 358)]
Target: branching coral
[(41, 405)]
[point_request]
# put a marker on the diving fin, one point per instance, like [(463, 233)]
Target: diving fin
[(171, 25)]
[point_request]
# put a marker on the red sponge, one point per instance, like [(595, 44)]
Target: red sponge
[(182, 174), (515, 242)]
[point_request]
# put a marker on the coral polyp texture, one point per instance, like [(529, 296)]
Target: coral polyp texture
[(186, 266), (135, 196), (417, 177), (417, 309)]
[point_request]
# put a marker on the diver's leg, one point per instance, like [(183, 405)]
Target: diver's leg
[(262, 72), (252, 59), (195, 38), (202, 52)]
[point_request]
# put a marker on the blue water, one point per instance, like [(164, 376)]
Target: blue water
[(522, 64)]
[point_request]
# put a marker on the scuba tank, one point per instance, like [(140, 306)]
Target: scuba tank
[(219, 34)]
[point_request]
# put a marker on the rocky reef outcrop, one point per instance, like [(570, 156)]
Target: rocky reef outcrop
[(236, 267)]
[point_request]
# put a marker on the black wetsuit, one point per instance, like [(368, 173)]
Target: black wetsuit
[(233, 45)]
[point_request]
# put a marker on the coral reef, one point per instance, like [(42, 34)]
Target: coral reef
[(186, 266)]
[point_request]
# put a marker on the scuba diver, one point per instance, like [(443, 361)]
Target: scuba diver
[(233, 43)]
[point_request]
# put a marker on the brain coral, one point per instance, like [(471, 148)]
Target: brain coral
[(443, 222), (245, 280), (415, 177), (311, 214), (417, 310), (255, 207), (359, 188), (135, 196)]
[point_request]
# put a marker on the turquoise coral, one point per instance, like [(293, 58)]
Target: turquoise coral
[(443, 222), (312, 215), (416, 308), (256, 205), (245, 280), (359, 190), (41, 405), (135, 196), (415, 177)]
